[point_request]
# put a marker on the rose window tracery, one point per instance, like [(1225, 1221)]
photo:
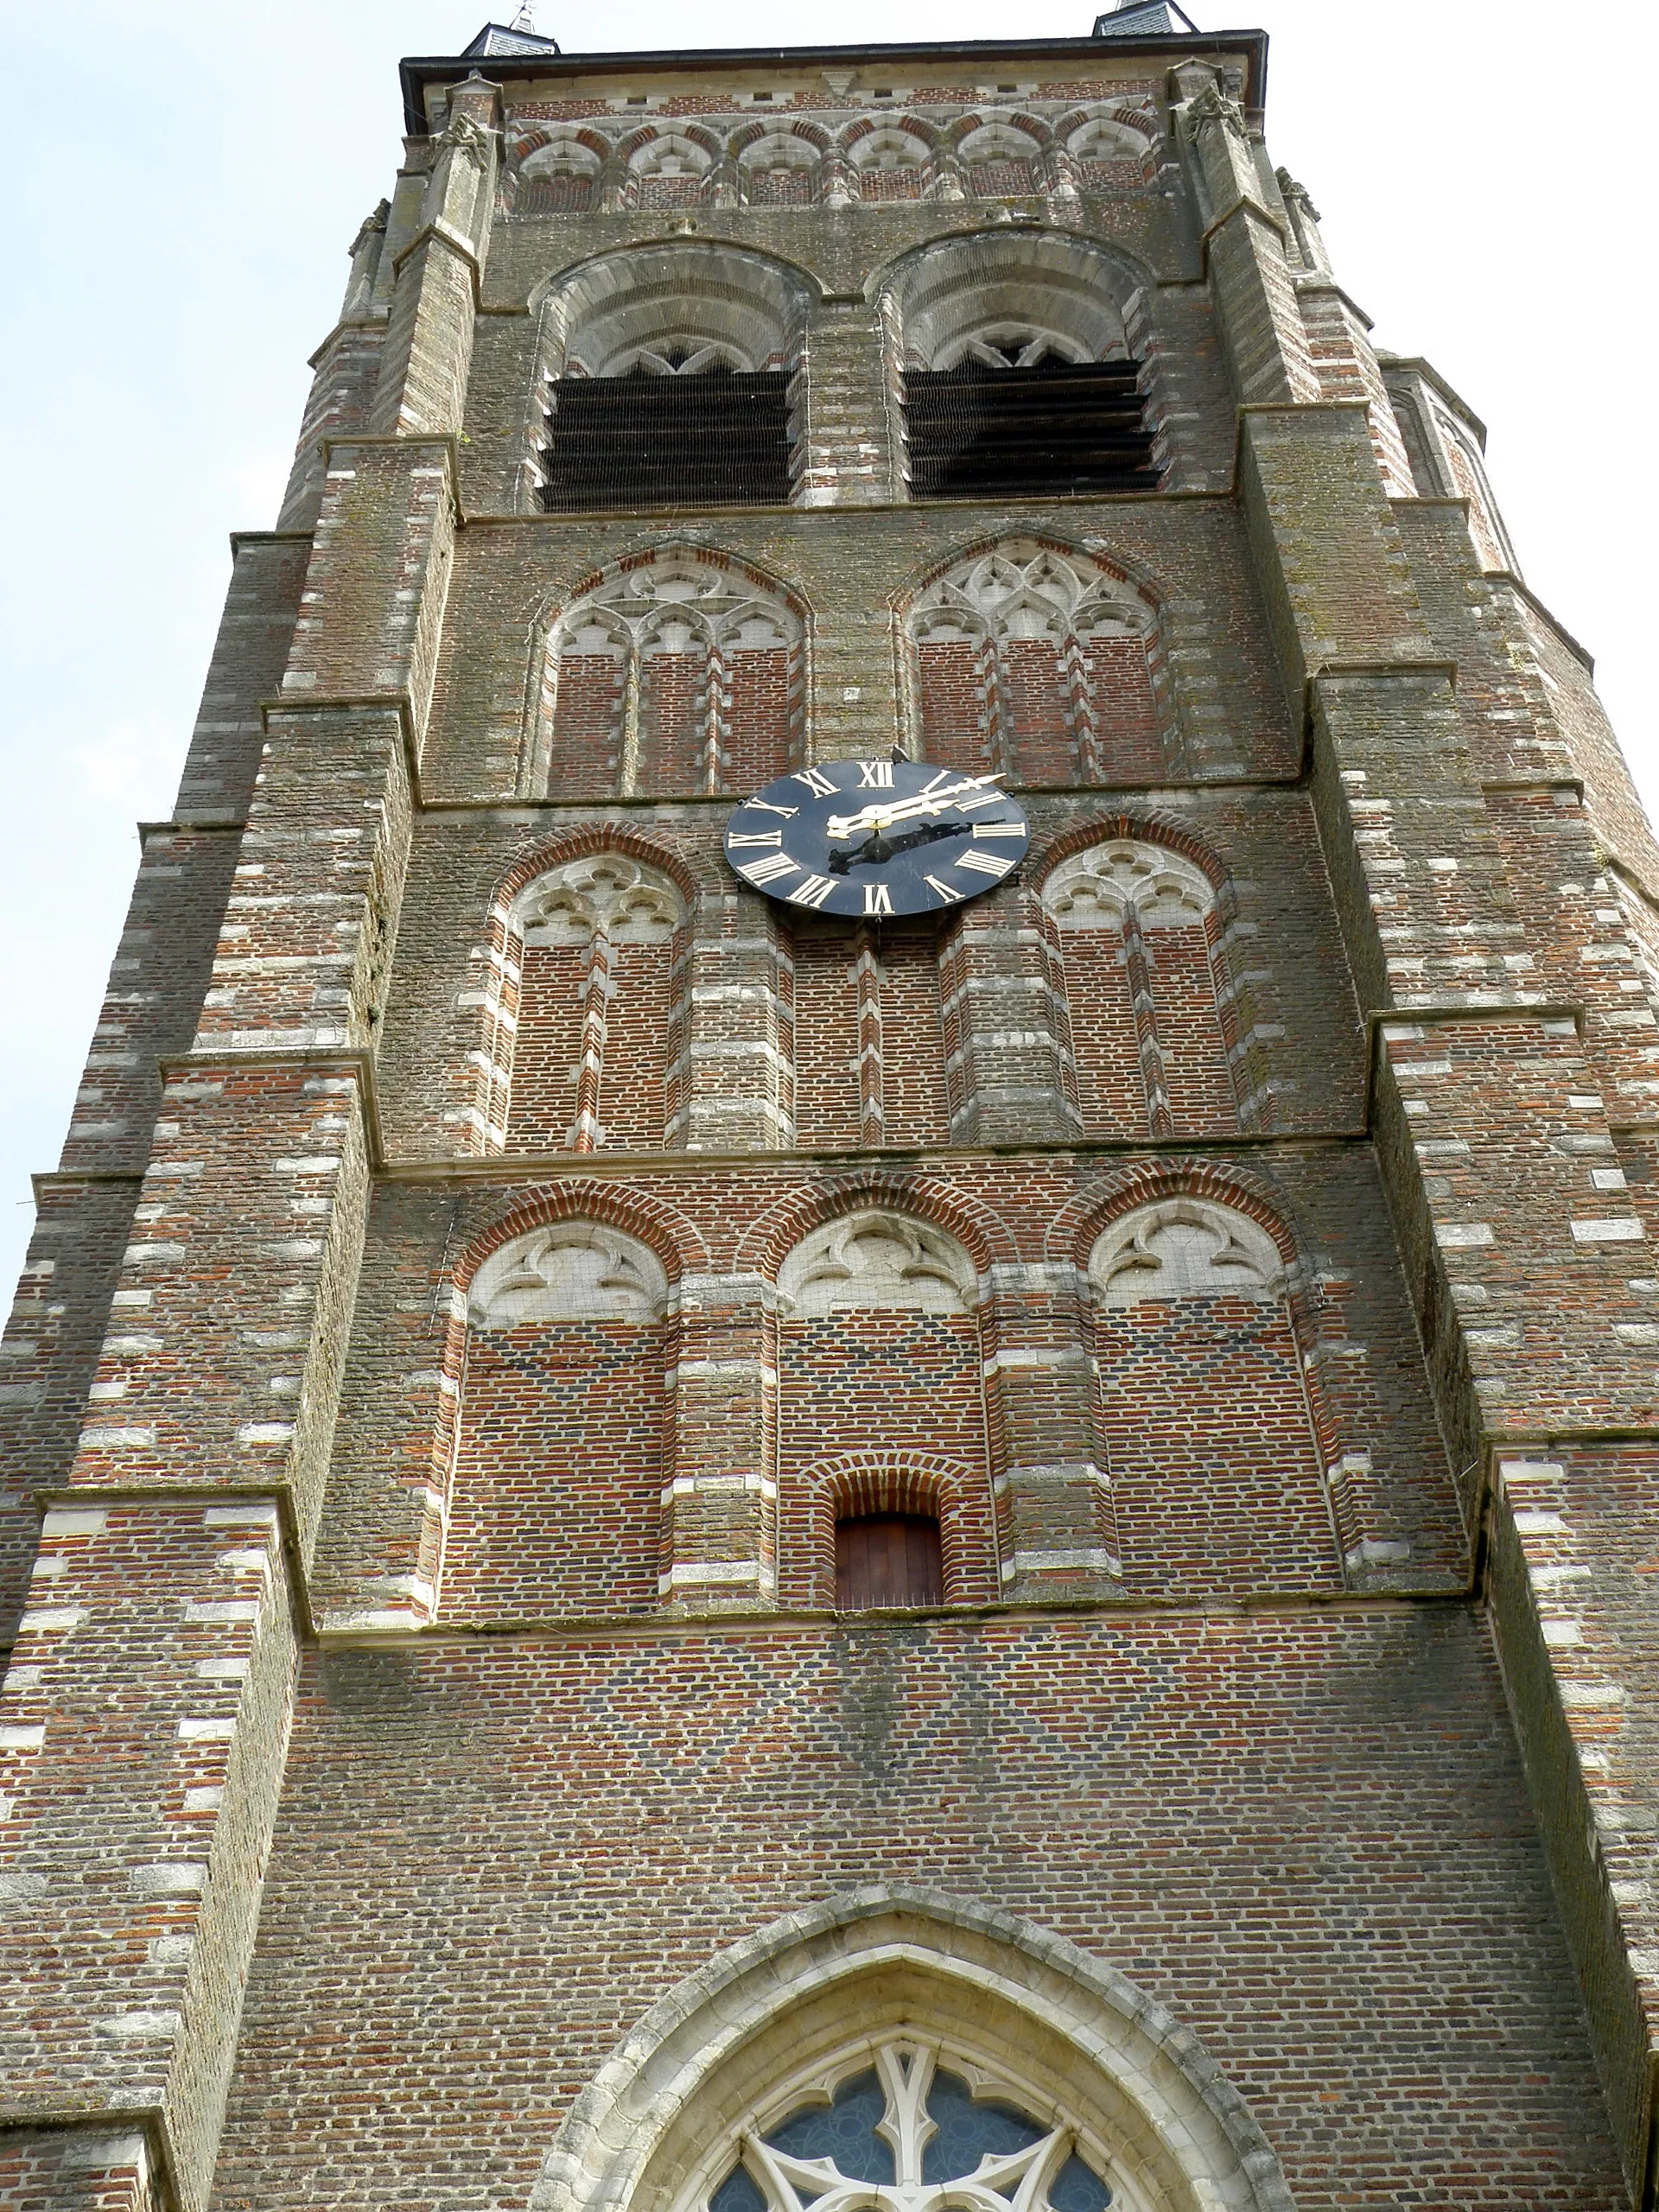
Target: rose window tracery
[(916, 2131)]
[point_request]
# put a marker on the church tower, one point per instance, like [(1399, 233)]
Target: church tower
[(841, 1388)]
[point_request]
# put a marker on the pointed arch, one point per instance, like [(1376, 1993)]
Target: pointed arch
[(1137, 926), (582, 1018), (1041, 658), (651, 2132), (1003, 341), (679, 668), (695, 340)]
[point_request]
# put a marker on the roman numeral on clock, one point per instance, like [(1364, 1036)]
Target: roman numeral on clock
[(999, 829), (878, 899), (812, 893), (946, 891), (815, 782), (737, 839), (769, 870), (875, 775), (995, 864)]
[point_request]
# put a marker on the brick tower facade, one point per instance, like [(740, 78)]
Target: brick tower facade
[(670, 1554)]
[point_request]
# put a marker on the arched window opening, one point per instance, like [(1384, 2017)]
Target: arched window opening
[(886, 1559), (1136, 930), (1205, 1423), (563, 1433), (1018, 380), (678, 673), (1041, 665), (674, 381), (596, 1018), (918, 2119)]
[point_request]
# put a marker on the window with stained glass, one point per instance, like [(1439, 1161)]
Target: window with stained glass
[(903, 2130)]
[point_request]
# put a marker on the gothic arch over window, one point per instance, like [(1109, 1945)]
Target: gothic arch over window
[(891, 157), (1110, 149), (556, 170), (562, 1433), (680, 670), (878, 1356), (779, 167), (584, 1031), (1001, 158), (1039, 661), (1019, 355), (1206, 1425), (913, 1985), (668, 169), (669, 372), (1150, 1020)]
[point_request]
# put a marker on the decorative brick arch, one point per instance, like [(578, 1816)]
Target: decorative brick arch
[(672, 1234), (955, 1494), (1080, 290), (1145, 824), (638, 2138), (980, 1232), (1155, 1010), (673, 1242), (577, 844)]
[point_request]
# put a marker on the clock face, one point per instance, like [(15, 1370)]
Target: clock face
[(877, 837)]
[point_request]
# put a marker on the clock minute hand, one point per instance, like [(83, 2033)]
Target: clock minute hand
[(880, 815)]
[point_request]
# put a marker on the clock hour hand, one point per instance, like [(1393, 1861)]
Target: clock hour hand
[(875, 851)]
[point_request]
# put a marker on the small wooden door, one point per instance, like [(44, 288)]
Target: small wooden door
[(889, 1559)]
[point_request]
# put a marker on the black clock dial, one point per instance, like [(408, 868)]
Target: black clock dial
[(877, 837)]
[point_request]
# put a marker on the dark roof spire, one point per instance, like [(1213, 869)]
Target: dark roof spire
[(519, 36), (1143, 19)]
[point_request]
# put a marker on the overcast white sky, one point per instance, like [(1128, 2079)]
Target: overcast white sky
[(186, 179)]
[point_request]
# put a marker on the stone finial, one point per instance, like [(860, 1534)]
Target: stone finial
[(464, 136), (1213, 105)]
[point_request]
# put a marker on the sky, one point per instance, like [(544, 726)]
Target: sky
[(186, 180)]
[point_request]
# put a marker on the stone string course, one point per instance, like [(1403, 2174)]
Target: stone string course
[(491, 1246)]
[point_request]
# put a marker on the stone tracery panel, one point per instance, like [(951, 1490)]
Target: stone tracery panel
[(1137, 931), (677, 672), (1205, 1424), (1040, 663)]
